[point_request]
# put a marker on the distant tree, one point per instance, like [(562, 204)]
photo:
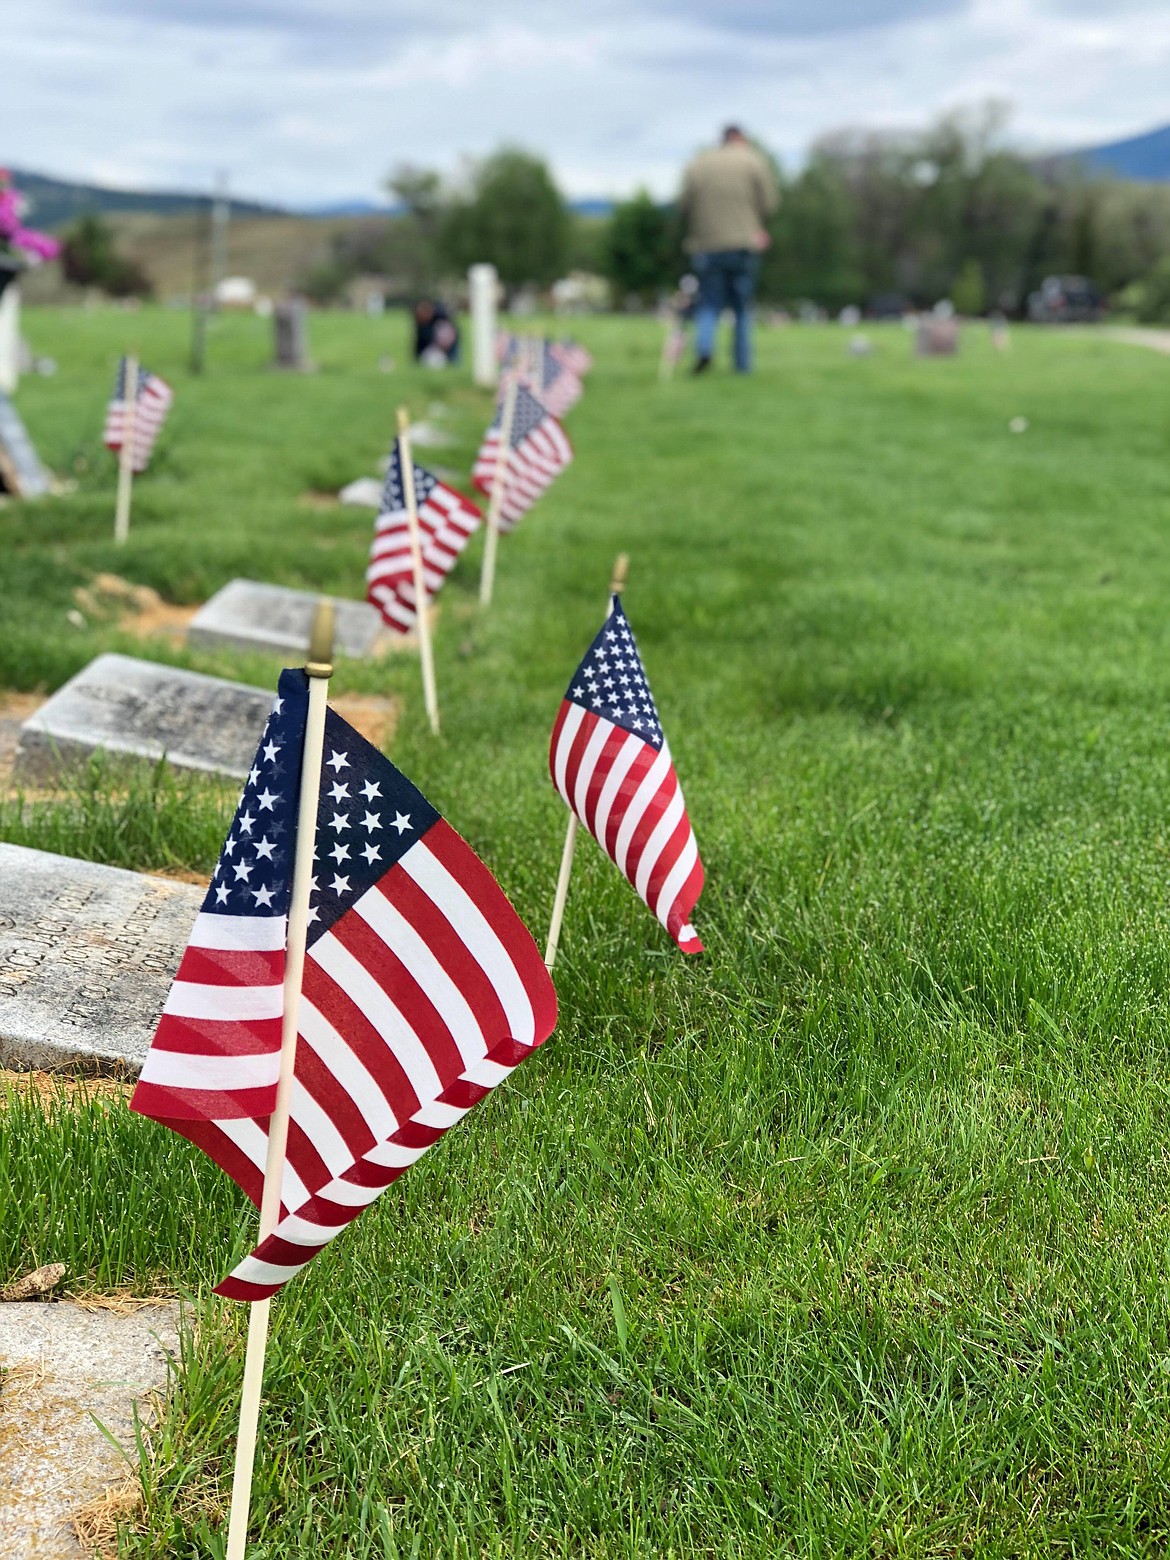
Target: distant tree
[(641, 252), (412, 250), (1154, 295), (968, 292), (90, 258), (813, 254), (511, 214)]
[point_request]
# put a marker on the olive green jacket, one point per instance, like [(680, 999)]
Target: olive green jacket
[(728, 195)]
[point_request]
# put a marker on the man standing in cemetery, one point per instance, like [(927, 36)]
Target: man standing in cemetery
[(728, 195)]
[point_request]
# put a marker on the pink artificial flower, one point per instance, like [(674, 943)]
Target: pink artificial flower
[(41, 245), (37, 246)]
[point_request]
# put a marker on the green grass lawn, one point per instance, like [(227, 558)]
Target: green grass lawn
[(848, 1237)]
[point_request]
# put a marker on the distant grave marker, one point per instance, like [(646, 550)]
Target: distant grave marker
[(937, 337), (252, 616), (87, 954), (20, 468), (290, 321), (134, 709)]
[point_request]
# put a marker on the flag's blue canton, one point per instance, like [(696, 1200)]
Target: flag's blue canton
[(553, 367), (120, 381), (393, 495), (369, 817), (529, 413), (254, 873), (610, 681)]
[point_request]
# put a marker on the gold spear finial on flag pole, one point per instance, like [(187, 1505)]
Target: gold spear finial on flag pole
[(318, 669), (320, 662)]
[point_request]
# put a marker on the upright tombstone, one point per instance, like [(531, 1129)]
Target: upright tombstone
[(87, 954), (272, 618), (937, 336), (484, 286), (21, 471), (140, 711), (9, 326), (290, 320)]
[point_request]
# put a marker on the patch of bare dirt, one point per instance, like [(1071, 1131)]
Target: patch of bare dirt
[(138, 609), (50, 1086), (14, 709), (376, 718)]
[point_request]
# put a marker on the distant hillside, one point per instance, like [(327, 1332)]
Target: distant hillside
[(56, 202), (1139, 157)]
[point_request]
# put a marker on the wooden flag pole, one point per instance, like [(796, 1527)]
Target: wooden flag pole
[(319, 670), (425, 648), (666, 361), (126, 454), (538, 366), (617, 581), (507, 417)]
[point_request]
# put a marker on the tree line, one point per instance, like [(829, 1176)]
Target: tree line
[(885, 220), (953, 210)]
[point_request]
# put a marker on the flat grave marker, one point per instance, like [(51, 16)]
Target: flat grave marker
[(87, 954), (252, 616), (76, 1375), (133, 709)]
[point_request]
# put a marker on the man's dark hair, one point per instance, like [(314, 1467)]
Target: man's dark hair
[(733, 133)]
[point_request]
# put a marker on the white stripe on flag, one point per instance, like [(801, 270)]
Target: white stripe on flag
[(361, 987), (479, 937), (180, 1070), (638, 804), (229, 1004), (245, 933), (452, 1006), (657, 842)]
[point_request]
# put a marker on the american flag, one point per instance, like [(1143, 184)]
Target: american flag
[(575, 357), (422, 990), (445, 520), (505, 347), (560, 387), (611, 763), (538, 451), (153, 402)]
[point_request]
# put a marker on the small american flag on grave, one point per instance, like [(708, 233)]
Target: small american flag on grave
[(611, 763), (445, 520), (151, 399), (576, 358), (538, 450), (560, 388), (422, 990)]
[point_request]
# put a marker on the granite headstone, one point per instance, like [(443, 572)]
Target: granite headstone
[(937, 336), (251, 616), (87, 955), (290, 321), (132, 709)]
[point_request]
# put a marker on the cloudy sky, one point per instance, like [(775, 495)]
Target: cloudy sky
[(306, 101)]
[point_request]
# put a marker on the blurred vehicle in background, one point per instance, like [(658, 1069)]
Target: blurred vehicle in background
[(1065, 300)]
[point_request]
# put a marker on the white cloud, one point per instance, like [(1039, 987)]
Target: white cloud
[(307, 100)]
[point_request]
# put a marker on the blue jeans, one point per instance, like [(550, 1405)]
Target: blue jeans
[(727, 280)]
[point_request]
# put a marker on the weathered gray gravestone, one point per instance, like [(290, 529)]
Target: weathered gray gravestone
[(134, 709), (78, 1375), (251, 616), (937, 337), (87, 954), (290, 321)]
